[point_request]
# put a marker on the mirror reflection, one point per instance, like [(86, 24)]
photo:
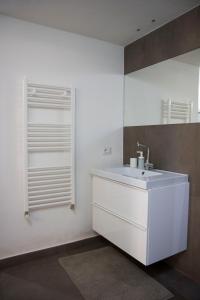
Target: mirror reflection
[(165, 93)]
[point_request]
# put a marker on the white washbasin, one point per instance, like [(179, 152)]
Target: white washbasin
[(134, 172), (141, 178)]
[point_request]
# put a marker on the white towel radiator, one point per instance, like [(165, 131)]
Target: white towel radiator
[(49, 119), (175, 111)]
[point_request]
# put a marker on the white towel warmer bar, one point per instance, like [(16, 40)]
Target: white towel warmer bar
[(174, 110), (48, 186)]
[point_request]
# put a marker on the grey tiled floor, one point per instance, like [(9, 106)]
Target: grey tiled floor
[(44, 279)]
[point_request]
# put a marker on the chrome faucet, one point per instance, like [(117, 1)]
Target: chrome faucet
[(147, 164)]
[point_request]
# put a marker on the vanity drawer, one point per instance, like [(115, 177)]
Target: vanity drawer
[(121, 199), (121, 233)]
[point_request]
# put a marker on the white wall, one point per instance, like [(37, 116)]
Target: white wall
[(146, 88), (95, 69)]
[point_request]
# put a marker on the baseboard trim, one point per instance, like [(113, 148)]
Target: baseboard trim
[(23, 258)]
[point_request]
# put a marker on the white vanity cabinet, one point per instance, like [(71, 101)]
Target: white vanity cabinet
[(149, 224)]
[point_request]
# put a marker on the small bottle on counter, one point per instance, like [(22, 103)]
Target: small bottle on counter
[(140, 160), (133, 162)]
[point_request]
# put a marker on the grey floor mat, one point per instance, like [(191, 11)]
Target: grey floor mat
[(107, 274)]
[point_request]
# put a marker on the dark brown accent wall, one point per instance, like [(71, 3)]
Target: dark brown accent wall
[(175, 148), (177, 37)]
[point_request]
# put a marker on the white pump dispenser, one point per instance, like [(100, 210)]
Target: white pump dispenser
[(140, 160)]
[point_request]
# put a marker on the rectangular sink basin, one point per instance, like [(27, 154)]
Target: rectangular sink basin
[(134, 172), (141, 178)]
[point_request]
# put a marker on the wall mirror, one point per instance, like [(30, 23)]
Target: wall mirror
[(164, 93)]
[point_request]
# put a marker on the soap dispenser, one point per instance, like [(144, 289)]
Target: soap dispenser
[(140, 160)]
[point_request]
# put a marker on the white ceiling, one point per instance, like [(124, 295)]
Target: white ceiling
[(115, 21)]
